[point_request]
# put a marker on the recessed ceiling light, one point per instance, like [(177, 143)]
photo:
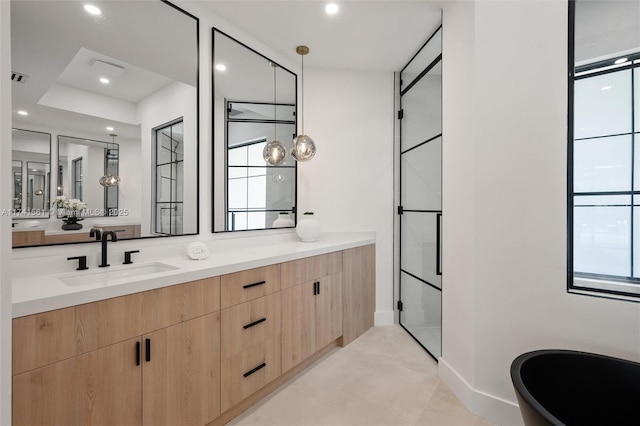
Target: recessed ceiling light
[(331, 8), (109, 128), (104, 80), (221, 67), (621, 61), (606, 88), (93, 10), (22, 112)]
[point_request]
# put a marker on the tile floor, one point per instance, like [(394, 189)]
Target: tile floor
[(382, 378), (430, 337)]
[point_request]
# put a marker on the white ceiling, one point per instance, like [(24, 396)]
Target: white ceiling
[(54, 41), (377, 35)]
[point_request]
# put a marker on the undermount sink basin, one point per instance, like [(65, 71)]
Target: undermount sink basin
[(106, 275)]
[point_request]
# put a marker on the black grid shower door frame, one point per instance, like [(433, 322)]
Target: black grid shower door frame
[(401, 209)]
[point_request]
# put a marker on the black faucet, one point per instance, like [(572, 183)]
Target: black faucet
[(104, 240), (95, 232)]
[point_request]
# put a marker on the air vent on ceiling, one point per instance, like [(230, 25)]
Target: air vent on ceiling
[(18, 78), (106, 68)]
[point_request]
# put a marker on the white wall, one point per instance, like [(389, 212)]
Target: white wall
[(504, 210), (349, 183)]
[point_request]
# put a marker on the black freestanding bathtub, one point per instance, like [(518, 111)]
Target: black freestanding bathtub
[(561, 387)]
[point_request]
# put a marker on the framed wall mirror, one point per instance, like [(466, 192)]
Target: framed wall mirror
[(101, 85), (254, 103), (31, 157)]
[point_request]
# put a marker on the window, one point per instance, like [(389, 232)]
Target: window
[(604, 148), (169, 178)]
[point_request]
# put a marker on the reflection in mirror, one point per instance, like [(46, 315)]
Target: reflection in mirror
[(127, 71), (169, 195), (31, 154), (38, 178), (16, 175), (81, 163), (255, 99)]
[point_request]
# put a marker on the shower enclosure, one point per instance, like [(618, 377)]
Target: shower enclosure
[(420, 208)]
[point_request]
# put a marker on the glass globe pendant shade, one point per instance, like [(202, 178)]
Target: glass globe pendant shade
[(274, 153), (303, 149), (109, 180)]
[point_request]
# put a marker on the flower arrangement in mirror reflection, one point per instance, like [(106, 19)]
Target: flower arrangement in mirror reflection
[(70, 210)]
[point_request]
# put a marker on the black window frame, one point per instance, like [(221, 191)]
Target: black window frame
[(593, 284)]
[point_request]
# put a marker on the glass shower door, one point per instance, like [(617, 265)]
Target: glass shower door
[(421, 196)]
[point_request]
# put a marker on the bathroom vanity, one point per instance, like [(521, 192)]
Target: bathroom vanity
[(193, 345)]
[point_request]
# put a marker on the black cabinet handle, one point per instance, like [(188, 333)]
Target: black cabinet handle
[(250, 372), (316, 288), (254, 284), (137, 353), (318, 284), (147, 355), (438, 238), (254, 323)]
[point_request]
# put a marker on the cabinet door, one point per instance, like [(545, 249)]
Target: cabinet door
[(181, 373), (298, 325), (102, 387), (328, 310), (359, 281)]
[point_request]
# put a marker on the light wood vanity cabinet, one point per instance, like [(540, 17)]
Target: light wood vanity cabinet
[(190, 354), (311, 306), (26, 238), (163, 344)]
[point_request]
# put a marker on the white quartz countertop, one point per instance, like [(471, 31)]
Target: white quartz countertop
[(44, 292)]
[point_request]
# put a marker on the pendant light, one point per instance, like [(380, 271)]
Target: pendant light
[(303, 148), (110, 179), (273, 152)]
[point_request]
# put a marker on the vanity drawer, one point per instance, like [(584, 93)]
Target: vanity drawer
[(243, 286), (43, 339), (300, 271), (249, 323), (249, 371), (171, 305)]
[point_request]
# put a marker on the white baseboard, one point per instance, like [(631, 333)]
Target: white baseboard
[(383, 318), (495, 409)]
